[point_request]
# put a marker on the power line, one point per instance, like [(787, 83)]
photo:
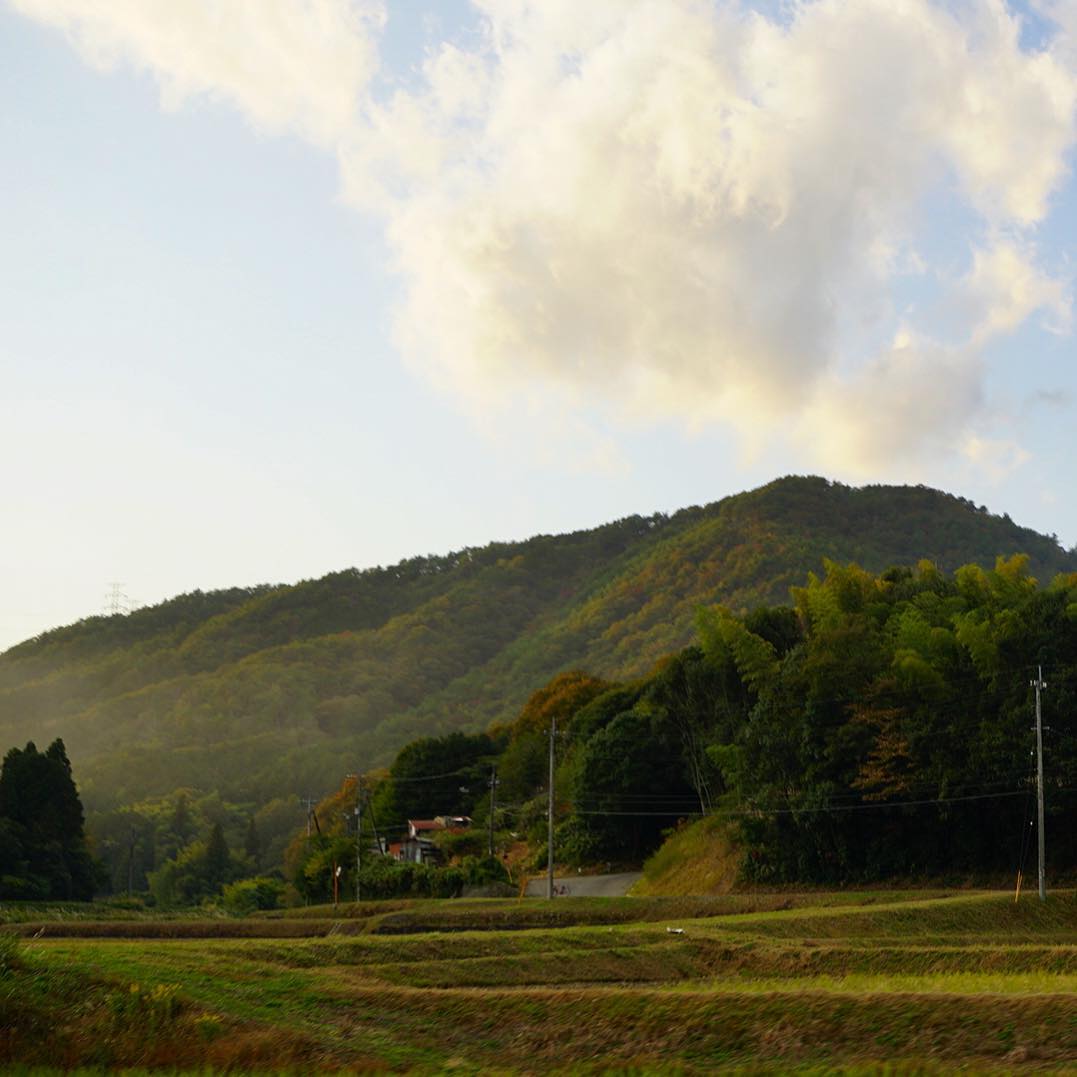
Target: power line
[(870, 806)]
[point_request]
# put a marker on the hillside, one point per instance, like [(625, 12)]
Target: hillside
[(269, 691)]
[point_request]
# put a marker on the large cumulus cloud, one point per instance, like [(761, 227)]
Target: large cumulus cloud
[(687, 208)]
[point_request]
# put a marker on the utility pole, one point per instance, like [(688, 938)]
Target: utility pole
[(374, 825), (493, 787), (310, 812), (1039, 684), (358, 835), (549, 833)]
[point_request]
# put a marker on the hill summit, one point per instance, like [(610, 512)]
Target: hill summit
[(274, 690)]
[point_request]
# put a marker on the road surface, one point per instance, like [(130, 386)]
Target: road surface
[(587, 885)]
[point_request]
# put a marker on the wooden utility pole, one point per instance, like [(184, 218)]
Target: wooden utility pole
[(493, 805), (358, 835), (1039, 684), (549, 828)]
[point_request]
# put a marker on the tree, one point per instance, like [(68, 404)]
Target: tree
[(252, 844), (434, 776), (44, 826), (629, 785), (218, 862), (522, 767), (199, 871)]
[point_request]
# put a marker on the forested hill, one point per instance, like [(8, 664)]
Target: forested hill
[(264, 692)]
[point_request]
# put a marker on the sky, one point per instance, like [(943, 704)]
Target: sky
[(288, 286)]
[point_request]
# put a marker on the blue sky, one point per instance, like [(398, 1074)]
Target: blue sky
[(251, 334)]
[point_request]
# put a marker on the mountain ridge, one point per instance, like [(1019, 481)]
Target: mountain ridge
[(252, 690)]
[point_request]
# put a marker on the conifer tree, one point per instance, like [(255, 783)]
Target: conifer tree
[(43, 825)]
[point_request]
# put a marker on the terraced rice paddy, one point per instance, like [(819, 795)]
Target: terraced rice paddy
[(857, 983)]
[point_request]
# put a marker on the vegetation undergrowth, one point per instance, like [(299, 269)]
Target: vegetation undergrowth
[(699, 858), (924, 985)]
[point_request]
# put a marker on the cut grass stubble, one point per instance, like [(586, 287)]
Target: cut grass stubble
[(955, 980)]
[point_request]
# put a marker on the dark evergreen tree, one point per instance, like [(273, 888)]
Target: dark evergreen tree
[(252, 844), (44, 845), (218, 862)]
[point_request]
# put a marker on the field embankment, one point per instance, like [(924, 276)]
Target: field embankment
[(696, 859), (766, 984)]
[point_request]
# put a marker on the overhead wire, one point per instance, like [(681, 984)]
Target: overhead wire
[(824, 809)]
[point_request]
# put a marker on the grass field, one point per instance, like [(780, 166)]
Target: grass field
[(859, 983)]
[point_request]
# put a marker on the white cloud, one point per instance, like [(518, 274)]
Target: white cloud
[(1004, 288), (295, 66), (702, 213), (910, 403), (998, 458), (1000, 291), (679, 206)]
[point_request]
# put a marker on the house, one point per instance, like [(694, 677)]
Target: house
[(454, 824), (414, 851), (419, 846), (419, 828)]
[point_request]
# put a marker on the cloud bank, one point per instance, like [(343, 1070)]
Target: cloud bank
[(685, 208)]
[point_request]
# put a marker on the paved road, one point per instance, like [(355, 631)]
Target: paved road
[(587, 885)]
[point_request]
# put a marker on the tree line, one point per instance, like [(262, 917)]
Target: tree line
[(255, 692), (877, 727)]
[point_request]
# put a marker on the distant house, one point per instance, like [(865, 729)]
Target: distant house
[(415, 851), (419, 847), (455, 823), (419, 828)]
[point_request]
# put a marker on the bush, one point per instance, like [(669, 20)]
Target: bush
[(10, 951), (485, 869), (128, 904), (23, 888), (575, 843), (250, 895), (468, 843), (386, 878)]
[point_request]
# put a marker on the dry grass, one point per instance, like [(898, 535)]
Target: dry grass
[(915, 986), (697, 859)]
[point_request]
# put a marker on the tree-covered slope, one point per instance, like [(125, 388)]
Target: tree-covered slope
[(264, 692)]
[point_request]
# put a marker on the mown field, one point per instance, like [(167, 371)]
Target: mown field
[(899, 983)]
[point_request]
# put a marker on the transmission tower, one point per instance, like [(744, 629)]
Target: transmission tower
[(116, 601)]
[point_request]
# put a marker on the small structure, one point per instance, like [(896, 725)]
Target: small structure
[(419, 828), (419, 846), (415, 851)]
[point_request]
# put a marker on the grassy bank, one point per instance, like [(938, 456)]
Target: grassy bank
[(852, 982)]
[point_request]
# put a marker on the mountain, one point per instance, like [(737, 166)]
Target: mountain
[(265, 692)]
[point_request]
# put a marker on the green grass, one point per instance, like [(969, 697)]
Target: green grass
[(854, 983), (22, 912), (696, 859)]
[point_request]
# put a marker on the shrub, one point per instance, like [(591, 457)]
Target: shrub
[(468, 843), (576, 843), (250, 895), (10, 952), (386, 878), (484, 869), (149, 1009)]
